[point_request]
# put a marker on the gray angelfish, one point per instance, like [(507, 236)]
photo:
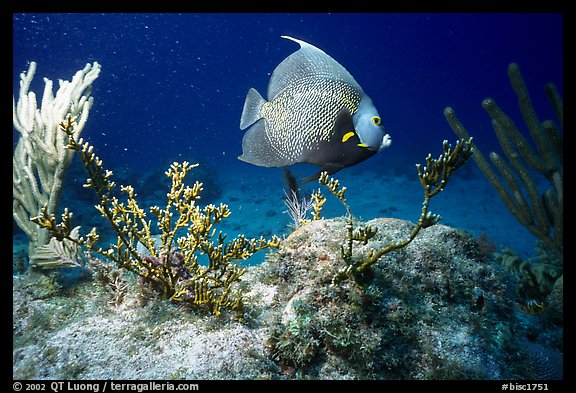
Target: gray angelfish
[(316, 113)]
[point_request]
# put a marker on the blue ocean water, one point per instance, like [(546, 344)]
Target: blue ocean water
[(172, 88)]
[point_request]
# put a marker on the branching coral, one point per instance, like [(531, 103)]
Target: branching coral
[(318, 201), (362, 234), (433, 177), (172, 267)]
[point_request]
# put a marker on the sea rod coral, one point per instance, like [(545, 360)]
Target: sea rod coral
[(40, 160), (541, 213), (172, 268)]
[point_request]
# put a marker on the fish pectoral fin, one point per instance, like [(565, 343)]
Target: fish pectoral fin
[(343, 129)]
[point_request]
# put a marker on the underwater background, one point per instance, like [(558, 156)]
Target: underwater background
[(172, 88)]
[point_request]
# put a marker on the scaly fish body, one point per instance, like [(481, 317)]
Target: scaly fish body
[(294, 131), (317, 114)]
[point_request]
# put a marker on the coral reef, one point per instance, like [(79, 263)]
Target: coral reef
[(40, 160), (426, 311), (432, 310), (171, 268), (540, 213), (80, 336), (545, 363)]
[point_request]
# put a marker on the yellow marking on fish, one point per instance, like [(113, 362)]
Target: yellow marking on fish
[(347, 136), (362, 145)]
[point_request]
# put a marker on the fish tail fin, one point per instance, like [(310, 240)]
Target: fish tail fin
[(251, 111), (256, 148)]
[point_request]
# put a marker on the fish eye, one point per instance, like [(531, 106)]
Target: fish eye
[(376, 120)]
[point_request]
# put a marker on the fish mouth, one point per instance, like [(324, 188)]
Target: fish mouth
[(386, 142)]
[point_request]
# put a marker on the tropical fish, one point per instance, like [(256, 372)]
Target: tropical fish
[(316, 113)]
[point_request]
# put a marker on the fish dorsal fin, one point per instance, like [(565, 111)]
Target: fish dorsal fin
[(306, 62)]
